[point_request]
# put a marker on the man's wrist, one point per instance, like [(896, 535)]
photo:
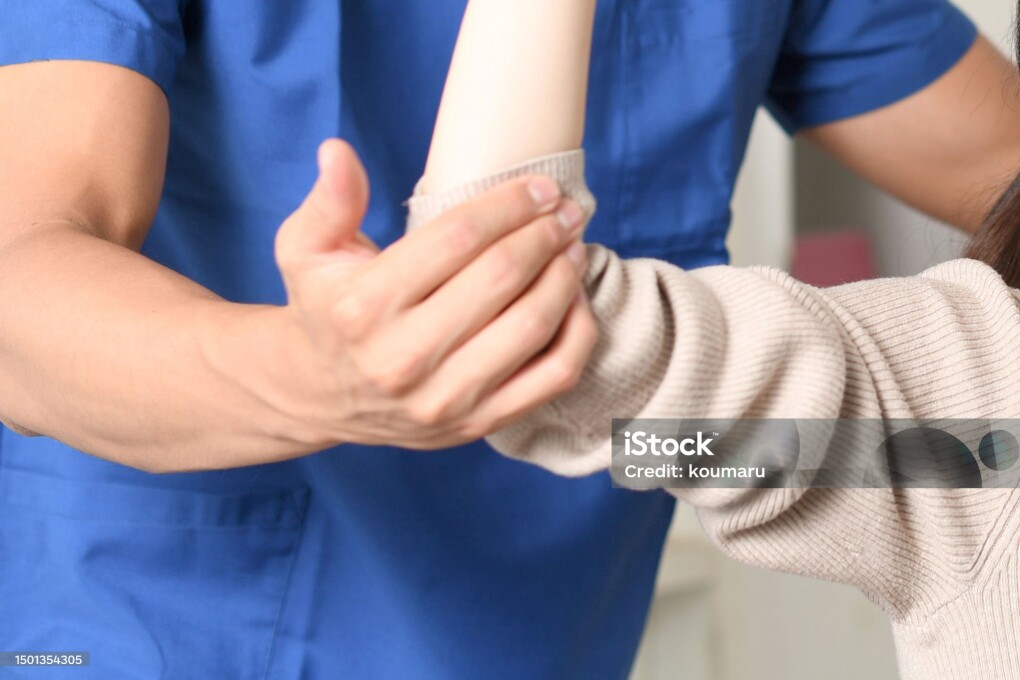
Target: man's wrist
[(267, 363)]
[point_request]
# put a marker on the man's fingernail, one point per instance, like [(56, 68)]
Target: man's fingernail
[(570, 216), (577, 254), (544, 192)]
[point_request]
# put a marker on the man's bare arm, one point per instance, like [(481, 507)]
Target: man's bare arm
[(948, 150), (118, 356)]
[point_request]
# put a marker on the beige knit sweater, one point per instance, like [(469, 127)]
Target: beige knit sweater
[(723, 342)]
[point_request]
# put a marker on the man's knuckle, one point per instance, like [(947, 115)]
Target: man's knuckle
[(351, 314), (564, 374), (384, 382), (394, 377), (474, 429), (349, 310), (461, 235), (503, 269), (534, 327), (429, 412), (408, 366)]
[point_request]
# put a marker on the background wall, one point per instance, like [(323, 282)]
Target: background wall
[(714, 619)]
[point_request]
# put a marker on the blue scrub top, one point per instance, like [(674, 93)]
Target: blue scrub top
[(369, 562)]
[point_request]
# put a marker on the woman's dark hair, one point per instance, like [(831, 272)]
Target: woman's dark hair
[(998, 241)]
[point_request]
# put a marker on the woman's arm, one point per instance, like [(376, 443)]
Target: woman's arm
[(728, 343), (516, 90)]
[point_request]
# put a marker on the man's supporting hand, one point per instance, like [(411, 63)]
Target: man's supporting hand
[(441, 338)]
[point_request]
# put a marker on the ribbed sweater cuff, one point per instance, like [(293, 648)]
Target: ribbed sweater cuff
[(566, 168)]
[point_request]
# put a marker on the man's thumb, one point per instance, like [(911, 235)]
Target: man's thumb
[(331, 215)]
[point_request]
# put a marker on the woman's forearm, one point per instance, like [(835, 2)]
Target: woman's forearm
[(516, 90)]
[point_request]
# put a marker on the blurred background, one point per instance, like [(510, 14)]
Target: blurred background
[(715, 619)]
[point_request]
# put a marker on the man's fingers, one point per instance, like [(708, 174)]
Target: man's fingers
[(489, 284), (552, 374), (523, 330), (420, 262), (331, 214)]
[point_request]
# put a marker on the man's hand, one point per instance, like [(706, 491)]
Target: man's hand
[(445, 336)]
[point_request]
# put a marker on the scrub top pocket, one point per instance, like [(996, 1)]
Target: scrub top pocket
[(152, 582), (693, 74)]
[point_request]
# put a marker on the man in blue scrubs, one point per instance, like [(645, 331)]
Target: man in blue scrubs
[(366, 561)]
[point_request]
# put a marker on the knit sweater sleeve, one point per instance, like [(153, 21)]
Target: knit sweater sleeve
[(725, 343)]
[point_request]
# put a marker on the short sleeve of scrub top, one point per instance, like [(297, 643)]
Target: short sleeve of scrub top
[(146, 36), (842, 58)]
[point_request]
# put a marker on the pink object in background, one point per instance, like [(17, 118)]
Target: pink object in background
[(832, 258)]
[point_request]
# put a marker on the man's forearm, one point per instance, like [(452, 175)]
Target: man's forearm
[(120, 357)]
